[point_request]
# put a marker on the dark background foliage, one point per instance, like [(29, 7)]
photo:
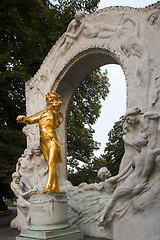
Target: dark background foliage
[(28, 30)]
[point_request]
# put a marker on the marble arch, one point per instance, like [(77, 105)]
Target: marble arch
[(120, 35)]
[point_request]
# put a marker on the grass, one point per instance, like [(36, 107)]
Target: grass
[(11, 205)]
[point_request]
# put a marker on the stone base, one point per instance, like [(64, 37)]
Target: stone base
[(49, 219), (56, 234)]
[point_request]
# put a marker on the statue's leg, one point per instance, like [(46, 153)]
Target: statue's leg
[(44, 143), (53, 177), (52, 182), (107, 213), (44, 149), (24, 206), (106, 210)]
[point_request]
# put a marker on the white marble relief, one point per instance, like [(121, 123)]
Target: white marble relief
[(129, 37)]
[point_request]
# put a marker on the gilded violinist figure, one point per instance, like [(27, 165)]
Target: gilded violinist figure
[(49, 119)]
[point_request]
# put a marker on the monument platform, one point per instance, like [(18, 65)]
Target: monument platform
[(49, 219)]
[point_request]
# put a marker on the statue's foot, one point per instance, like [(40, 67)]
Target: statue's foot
[(55, 189), (28, 221), (47, 190), (100, 224)]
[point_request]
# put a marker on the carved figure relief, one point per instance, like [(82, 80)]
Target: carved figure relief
[(22, 197), (25, 168), (37, 93), (155, 96), (131, 39), (73, 31), (30, 136), (134, 44), (153, 19), (108, 183), (40, 169), (99, 30), (131, 128), (149, 125), (142, 166), (86, 202)]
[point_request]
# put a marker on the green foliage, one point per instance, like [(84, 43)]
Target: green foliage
[(83, 112), (28, 30), (114, 149), (111, 158), (71, 6), (87, 173), (84, 174), (23, 46)]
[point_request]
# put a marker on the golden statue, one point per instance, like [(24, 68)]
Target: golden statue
[(49, 119)]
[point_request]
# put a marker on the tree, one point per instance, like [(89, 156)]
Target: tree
[(24, 39), (83, 112), (29, 30), (111, 158), (114, 149)]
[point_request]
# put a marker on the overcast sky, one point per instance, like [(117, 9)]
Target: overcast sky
[(115, 104)]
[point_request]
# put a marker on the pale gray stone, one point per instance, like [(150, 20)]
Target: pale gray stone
[(115, 35)]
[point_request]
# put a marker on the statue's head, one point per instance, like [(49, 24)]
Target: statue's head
[(103, 173), (52, 98), (140, 141), (16, 176), (37, 150), (133, 115), (79, 15)]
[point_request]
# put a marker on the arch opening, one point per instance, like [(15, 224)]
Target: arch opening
[(70, 78), (79, 68), (113, 107)]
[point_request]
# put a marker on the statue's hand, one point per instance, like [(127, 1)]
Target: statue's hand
[(20, 118), (33, 190)]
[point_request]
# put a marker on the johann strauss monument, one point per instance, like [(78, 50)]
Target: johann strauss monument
[(123, 207)]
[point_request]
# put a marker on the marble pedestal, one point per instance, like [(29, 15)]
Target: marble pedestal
[(49, 219)]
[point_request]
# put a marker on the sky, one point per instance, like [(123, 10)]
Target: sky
[(115, 104)]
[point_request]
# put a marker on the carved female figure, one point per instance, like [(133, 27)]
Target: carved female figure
[(40, 168), (142, 166), (131, 128), (74, 29), (134, 44)]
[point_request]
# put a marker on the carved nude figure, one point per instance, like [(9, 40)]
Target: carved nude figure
[(104, 174), (108, 183), (157, 91), (131, 128), (37, 91), (134, 44), (74, 29), (22, 203), (49, 119), (30, 135), (136, 182), (25, 168), (40, 168), (149, 125)]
